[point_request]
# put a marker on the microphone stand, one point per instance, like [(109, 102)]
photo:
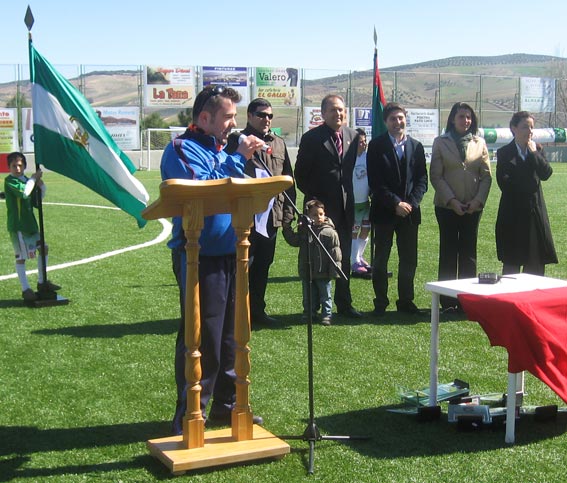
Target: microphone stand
[(311, 433)]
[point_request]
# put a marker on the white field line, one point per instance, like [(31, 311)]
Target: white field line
[(160, 238)]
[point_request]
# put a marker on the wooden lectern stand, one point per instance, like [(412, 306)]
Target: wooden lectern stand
[(244, 441)]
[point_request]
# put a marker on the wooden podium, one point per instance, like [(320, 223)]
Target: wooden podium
[(244, 441)]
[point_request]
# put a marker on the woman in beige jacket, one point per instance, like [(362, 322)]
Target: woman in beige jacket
[(460, 175)]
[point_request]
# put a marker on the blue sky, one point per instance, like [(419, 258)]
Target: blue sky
[(306, 34)]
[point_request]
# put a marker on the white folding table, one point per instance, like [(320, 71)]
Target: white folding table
[(520, 282)]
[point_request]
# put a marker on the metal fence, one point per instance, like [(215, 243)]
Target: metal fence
[(494, 98)]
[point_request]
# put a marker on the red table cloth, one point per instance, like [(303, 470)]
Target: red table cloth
[(532, 326)]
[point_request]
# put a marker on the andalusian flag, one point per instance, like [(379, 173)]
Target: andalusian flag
[(378, 101), (70, 139)]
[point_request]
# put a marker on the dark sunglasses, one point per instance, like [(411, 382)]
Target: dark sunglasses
[(264, 115)]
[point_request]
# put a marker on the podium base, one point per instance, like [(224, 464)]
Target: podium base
[(219, 449)]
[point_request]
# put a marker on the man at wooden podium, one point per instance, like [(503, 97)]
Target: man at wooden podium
[(198, 154)]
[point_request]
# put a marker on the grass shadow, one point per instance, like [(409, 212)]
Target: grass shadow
[(397, 318), (284, 279), (390, 318), (11, 303), (115, 331), (155, 285), (19, 443), (13, 468), (389, 433)]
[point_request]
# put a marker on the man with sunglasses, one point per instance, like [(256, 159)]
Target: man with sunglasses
[(198, 154), (263, 234)]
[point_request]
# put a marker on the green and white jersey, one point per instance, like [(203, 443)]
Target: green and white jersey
[(19, 205)]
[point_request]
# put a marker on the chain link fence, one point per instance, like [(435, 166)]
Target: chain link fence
[(494, 98)]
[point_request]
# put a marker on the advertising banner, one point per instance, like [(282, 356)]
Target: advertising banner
[(27, 130), (8, 130), (279, 85), (423, 125), (169, 86), (504, 135), (363, 120), (235, 77), (537, 94), (122, 123), (311, 118)]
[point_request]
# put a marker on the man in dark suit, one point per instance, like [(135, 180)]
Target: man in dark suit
[(323, 170), (397, 176)]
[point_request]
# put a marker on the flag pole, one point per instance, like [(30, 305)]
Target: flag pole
[(372, 227), (378, 124), (378, 100), (373, 75), (45, 295)]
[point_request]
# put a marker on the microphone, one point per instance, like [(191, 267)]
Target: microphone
[(267, 149)]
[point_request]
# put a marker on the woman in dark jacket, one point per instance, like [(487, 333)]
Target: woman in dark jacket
[(523, 233)]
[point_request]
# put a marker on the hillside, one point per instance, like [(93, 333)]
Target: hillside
[(441, 82), (510, 64), (113, 88), (417, 85)]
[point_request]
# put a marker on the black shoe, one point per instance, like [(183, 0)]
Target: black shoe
[(264, 319), (378, 312), (363, 275), (350, 312), (407, 307)]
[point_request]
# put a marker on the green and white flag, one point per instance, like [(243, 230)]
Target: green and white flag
[(70, 139)]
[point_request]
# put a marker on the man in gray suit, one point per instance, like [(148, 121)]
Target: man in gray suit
[(323, 170)]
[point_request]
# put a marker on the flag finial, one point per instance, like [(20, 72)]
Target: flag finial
[(28, 19), (375, 38)]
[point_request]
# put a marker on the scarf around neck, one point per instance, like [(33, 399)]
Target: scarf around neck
[(461, 141)]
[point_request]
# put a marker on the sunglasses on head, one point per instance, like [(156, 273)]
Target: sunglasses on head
[(264, 115), (214, 91), (206, 95)]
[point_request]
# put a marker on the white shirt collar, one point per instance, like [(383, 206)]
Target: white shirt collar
[(521, 153), (399, 146)]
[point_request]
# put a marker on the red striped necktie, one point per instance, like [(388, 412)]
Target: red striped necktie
[(338, 142)]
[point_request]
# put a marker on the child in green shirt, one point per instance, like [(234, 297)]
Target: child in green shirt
[(21, 194)]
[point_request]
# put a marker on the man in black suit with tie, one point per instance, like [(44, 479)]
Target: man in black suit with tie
[(397, 176), (323, 170)]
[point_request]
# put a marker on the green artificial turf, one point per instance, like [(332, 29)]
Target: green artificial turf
[(83, 386)]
